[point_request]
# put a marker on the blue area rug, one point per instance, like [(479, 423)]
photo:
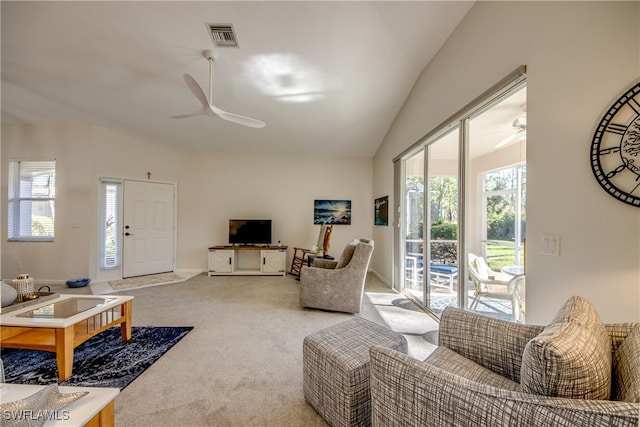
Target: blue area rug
[(102, 361)]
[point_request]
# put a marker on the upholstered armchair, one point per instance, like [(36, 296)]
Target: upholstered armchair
[(577, 371), (337, 285)]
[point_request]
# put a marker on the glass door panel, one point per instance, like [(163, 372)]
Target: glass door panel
[(442, 214), (413, 225), (496, 203)]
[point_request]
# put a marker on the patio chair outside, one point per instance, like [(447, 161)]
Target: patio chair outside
[(487, 286), (517, 290)]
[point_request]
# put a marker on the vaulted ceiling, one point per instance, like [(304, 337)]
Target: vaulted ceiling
[(325, 77)]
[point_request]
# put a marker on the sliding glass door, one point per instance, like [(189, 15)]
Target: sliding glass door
[(463, 193)]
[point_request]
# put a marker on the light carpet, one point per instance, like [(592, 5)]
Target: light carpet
[(242, 363), (144, 281)]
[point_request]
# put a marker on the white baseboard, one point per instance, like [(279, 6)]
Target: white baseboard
[(382, 279)]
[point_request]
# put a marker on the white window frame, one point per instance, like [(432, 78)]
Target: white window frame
[(22, 199)]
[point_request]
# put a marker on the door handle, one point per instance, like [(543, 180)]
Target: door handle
[(128, 234)]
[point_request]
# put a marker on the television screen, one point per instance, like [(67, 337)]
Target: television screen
[(250, 231)]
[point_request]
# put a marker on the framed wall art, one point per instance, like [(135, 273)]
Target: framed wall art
[(332, 212), (381, 211)]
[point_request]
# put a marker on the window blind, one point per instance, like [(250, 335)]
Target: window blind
[(31, 189), (110, 222)]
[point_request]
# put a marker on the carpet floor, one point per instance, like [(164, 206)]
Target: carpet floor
[(102, 361), (242, 363)]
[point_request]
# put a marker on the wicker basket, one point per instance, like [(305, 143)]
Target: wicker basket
[(24, 287)]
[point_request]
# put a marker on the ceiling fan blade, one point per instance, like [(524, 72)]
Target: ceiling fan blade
[(236, 118), (510, 138), (197, 90), (184, 116), (242, 120), (207, 107)]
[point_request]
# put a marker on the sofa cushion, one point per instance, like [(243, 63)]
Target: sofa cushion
[(626, 369), (571, 357), (450, 361)]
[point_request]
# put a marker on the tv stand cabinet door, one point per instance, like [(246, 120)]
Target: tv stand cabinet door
[(273, 262), (221, 261)]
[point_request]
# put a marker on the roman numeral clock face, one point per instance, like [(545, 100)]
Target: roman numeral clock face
[(615, 150)]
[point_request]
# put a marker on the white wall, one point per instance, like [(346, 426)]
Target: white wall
[(211, 189), (580, 57)]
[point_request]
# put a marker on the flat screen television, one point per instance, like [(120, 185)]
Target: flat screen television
[(250, 231)]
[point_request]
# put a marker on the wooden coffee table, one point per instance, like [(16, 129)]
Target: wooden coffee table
[(60, 325)]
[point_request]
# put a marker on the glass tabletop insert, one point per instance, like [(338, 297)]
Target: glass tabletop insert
[(65, 308)]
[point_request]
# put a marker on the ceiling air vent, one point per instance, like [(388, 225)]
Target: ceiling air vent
[(222, 35)]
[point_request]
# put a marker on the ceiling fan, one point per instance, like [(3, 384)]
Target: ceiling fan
[(519, 131), (208, 109)]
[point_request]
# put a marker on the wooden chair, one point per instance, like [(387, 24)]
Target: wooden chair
[(300, 254), (299, 258)]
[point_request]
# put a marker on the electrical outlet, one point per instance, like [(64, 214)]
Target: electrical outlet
[(19, 265), (550, 245)]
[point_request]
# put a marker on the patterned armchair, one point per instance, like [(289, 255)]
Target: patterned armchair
[(485, 373)]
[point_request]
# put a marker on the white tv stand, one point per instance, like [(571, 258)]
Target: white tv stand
[(247, 260)]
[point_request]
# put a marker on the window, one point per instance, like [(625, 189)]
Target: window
[(504, 216), (31, 200), (110, 223)]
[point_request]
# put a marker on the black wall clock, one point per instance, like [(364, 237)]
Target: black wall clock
[(615, 149)]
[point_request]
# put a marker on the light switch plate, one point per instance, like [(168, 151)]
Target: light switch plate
[(550, 245)]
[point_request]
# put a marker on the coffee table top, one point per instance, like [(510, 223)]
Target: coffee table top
[(63, 311)]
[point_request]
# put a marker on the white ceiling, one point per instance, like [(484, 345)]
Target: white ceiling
[(326, 77)]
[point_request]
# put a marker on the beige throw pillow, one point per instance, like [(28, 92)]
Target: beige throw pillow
[(571, 357), (626, 368)]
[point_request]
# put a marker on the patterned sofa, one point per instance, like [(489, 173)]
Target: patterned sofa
[(576, 371)]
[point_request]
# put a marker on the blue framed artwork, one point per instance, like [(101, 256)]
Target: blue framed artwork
[(332, 212)]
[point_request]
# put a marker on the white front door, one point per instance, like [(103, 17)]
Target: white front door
[(148, 228)]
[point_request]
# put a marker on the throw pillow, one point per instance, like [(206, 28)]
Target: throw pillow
[(626, 368), (571, 357)]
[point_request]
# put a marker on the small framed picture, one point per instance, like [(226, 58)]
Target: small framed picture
[(381, 211)]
